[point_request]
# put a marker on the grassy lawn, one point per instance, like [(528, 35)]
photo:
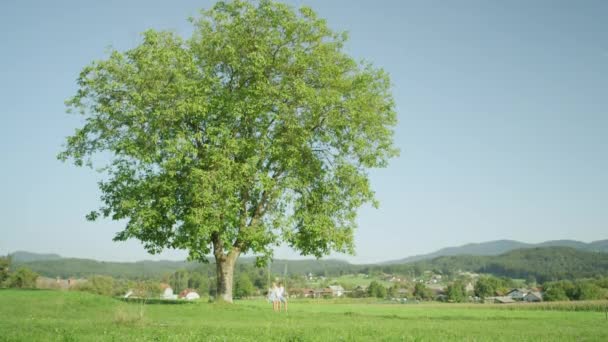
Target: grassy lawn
[(75, 316)]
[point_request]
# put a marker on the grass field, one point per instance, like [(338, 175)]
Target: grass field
[(77, 316)]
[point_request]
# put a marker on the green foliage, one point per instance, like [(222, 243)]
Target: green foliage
[(244, 287), (73, 267), (5, 265), (102, 285), (198, 282), (582, 289), (554, 292), (422, 292), (487, 286), (456, 292), (393, 291), (531, 280), (22, 278), (179, 280), (146, 289), (85, 268), (544, 264), (257, 129), (376, 289), (587, 290)]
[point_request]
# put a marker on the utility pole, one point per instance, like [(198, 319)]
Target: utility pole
[(285, 274)]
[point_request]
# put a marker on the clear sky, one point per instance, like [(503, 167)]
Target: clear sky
[(503, 120)]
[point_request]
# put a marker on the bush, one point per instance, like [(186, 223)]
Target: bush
[(577, 290), (23, 278), (422, 292), (588, 291), (102, 285), (456, 292), (244, 287), (375, 289), (554, 293), (5, 263)]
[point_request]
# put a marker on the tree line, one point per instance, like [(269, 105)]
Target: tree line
[(21, 277)]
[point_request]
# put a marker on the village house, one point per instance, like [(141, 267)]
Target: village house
[(189, 294), (167, 292), (500, 300), (517, 294), (392, 278), (322, 293), (533, 296), (301, 293), (332, 291), (336, 290), (525, 295)]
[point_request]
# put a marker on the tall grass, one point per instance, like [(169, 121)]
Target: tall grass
[(587, 305)]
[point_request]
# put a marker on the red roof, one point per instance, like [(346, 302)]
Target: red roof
[(185, 292)]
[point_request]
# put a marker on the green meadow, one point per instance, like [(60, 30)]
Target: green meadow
[(78, 316)]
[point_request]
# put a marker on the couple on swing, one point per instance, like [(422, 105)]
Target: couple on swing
[(277, 295)]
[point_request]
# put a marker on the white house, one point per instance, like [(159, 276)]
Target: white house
[(336, 290), (168, 293), (192, 296), (189, 294)]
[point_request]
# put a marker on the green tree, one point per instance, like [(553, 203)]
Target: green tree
[(456, 292), (375, 289), (554, 291), (179, 280), (393, 291), (23, 278), (586, 290), (422, 292), (257, 129), (199, 282), (531, 280), (485, 287), (5, 265), (244, 287)]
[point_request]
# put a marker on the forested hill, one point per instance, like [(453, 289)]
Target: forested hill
[(543, 263), (499, 247), (73, 267), (21, 256)]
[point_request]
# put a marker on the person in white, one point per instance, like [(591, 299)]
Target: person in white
[(282, 297), (273, 297)]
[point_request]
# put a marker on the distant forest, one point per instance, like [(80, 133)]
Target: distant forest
[(542, 263)]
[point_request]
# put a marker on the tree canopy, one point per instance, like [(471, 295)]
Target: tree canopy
[(257, 129)]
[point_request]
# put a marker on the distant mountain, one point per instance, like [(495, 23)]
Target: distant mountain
[(73, 267), (21, 256), (502, 257), (53, 265), (543, 263), (503, 246)]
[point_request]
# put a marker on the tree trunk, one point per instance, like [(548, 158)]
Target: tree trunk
[(225, 275)]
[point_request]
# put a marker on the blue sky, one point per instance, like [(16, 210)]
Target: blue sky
[(503, 120)]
